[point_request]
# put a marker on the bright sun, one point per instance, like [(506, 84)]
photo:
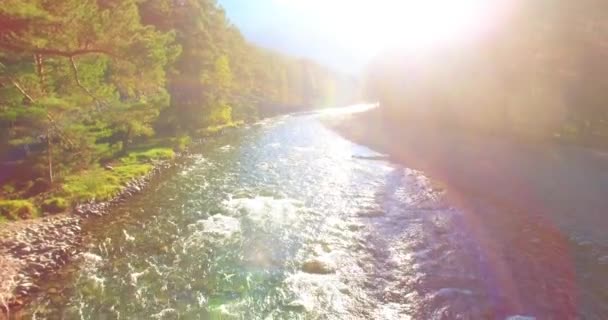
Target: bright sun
[(372, 25)]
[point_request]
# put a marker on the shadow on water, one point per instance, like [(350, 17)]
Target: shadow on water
[(422, 264), (532, 265), (431, 260)]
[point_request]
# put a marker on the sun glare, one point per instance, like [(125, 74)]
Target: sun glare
[(419, 25)]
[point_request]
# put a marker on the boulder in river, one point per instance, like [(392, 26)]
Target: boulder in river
[(300, 305), (319, 265), (518, 317), (220, 226)]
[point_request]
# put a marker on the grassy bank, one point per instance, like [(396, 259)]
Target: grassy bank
[(97, 183), (215, 130)]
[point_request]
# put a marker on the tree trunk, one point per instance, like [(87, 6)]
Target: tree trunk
[(126, 141), (40, 70), (49, 141)]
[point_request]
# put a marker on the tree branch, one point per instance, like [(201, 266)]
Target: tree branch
[(48, 114), (77, 78), (59, 131), (55, 52), (98, 101), (23, 92)]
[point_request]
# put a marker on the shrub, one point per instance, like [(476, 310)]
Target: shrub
[(39, 185), (55, 205), (8, 190), (181, 143), (17, 209), (220, 114)]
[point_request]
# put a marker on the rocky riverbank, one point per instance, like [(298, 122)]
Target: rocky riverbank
[(30, 250)]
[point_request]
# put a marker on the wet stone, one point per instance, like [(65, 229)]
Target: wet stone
[(41, 247), (519, 317), (319, 266), (298, 305)]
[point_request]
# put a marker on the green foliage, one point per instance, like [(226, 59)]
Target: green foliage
[(17, 209), (99, 184), (106, 151), (214, 130), (103, 184), (89, 82), (181, 143), (219, 77), (148, 155), (55, 205), (219, 114), (94, 184), (127, 172)]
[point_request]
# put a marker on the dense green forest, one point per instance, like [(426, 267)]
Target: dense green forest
[(116, 84), (541, 74)]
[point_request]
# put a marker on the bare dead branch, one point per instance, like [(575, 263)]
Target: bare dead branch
[(20, 88), (77, 78)]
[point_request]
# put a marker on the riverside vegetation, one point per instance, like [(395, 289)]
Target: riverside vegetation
[(93, 92)]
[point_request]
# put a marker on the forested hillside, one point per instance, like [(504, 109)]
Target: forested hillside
[(541, 73), (88, 84)]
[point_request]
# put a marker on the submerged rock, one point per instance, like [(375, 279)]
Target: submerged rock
[(168, 313), (518, 317), (299, 305), (220, 226), (353, 226), (319, 265)]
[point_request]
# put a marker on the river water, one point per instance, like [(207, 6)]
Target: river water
[(227, 233)]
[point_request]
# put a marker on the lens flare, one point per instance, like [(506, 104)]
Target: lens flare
[(371, 26)]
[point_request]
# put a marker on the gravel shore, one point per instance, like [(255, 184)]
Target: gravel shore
[(33, 249)]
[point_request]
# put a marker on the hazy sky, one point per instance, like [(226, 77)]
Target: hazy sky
[(346, 34), (277, 25)]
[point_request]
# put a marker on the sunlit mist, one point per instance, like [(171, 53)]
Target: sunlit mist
[(367, 26)]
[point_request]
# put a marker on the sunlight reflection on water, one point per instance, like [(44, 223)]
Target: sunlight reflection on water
[(279, 221)]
